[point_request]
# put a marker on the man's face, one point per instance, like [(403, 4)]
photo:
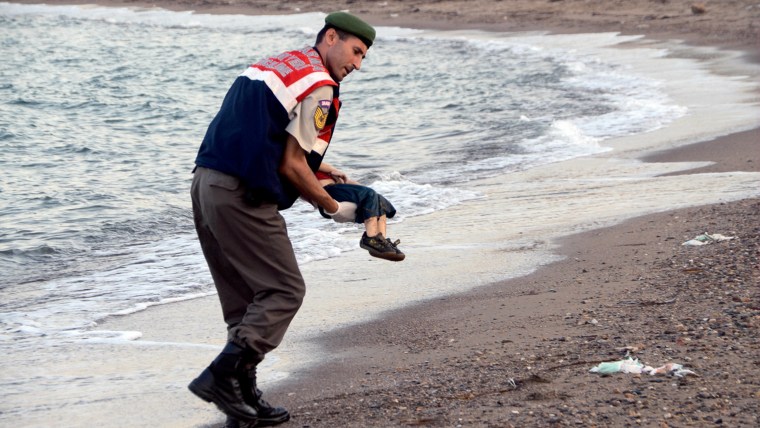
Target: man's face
[(343, 56)]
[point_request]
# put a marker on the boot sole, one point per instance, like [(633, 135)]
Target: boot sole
[(206, 393)]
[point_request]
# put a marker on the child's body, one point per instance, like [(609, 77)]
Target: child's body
[(372, 209)]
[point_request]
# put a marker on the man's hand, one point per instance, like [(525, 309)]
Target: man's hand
[(346, 213)]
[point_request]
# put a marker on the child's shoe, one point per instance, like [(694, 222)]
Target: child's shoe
[(394, 244), (380, 247)]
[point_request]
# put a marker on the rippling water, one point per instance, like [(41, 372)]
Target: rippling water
[(103, 109)]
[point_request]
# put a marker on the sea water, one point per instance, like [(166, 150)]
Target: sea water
[(102, 111)]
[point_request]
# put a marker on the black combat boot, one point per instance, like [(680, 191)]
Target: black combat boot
[(223, 383), (267, 414)]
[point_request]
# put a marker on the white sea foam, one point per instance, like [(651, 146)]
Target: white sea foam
[(164, 270), (476, 154)]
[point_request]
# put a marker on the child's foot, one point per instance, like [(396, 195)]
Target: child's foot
[(380, 247)]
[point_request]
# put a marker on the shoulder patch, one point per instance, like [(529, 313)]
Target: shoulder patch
[(320, 113)]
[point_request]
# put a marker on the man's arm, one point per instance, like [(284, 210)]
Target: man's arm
[(297, 171)]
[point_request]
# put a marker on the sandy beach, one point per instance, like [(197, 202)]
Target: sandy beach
[(518, 352)]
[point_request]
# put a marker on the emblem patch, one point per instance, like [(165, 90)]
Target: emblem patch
[(320, 113)]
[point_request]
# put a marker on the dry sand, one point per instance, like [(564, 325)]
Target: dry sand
[(518, 353)]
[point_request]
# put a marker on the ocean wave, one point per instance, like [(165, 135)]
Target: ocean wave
[(109, 148)]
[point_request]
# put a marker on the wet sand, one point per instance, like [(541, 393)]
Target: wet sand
[(517, 353)]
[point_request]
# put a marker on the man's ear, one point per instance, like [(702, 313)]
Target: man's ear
[(331, 36)]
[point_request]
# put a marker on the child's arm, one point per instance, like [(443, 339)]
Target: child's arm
[(336, 174)]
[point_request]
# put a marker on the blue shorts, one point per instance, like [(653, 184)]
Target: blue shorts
[(368, 202)]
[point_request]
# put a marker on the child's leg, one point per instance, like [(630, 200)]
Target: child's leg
[(375, 225), (381, 225), (372, 226)]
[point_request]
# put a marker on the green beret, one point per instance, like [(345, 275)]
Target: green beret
[(351, 24)]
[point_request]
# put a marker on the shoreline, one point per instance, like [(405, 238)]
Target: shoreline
[(449, 362), (630, 289), (417, 366)]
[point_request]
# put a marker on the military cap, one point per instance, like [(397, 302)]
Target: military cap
[(351, 24)]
